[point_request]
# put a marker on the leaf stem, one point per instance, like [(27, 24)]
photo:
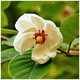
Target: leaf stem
[(4, 37), (71, 42), (74, 53), (62, 51), (71, 53)]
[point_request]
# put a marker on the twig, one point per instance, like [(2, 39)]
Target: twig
[(62, 51), (71, 53), (3, 37), (74, 53), (71, 42)]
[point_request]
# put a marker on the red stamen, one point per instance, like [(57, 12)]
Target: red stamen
[(39, 31), (40, 34)]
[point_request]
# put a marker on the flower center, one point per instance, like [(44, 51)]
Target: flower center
[(40, 37)]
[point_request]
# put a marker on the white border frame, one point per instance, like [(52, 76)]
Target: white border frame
[(0, 40), (39, 0)]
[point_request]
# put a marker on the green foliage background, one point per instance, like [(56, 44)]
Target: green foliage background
[(65, 15)]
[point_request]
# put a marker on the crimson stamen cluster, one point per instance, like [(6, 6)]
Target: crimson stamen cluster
[(40, 34)]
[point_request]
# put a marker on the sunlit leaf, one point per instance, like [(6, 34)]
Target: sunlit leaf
[(23, 67), (8, 31), (76, 41), (70, 27), (5, 5), (63, 46), (8, 54), (4, 20)]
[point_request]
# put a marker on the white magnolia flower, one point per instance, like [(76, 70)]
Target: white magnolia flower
[(40, 33)]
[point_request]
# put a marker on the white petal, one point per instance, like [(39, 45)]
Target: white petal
[(29, 21), (24, 23), (38, 21), (23, 42), (38, 54), (51, 53), (54, 38), (25, 26)]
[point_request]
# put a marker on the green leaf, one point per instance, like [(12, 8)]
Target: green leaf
[(8, 31), (8, 54), (4, 20), (70, 27), (23, 67), (53, 8), (63, 46), (64, 67), (29, 4), (75, 41), (8, 42), (52, 11), (5, 5), (3, 47), (4, 70)]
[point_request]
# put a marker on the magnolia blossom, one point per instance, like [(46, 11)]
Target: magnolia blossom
[(40, 33)]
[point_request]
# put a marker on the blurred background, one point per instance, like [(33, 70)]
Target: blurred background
[(63, 67)]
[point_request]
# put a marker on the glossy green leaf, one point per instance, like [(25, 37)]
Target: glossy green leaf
[(8, 54), (5, 5), (23, 67), (8, 42), (4, 20), (70, 27), (4, 70), (8, 31)]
